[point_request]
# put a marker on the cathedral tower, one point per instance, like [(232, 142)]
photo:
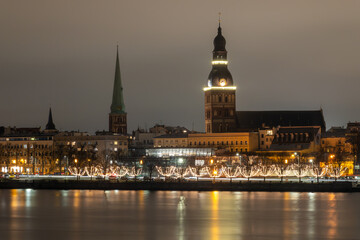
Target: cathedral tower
[(220, 91), (117, 116)]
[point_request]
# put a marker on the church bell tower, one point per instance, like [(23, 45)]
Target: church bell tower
[(220, 91), (118, 115)]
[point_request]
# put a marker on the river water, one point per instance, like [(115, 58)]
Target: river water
[(94, 214)]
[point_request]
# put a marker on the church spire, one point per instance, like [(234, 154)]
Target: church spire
[(117, 105), (118, 116), (50, 124)]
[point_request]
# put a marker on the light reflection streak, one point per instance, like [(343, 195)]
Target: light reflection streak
[(181, 217), (215, 215), (332, 217)]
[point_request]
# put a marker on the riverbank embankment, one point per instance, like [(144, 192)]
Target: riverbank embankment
[(183, 186)]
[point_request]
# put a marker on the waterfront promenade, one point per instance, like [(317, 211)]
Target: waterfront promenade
[(183, 185)]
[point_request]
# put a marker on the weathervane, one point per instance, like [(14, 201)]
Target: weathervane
[(219, 18)]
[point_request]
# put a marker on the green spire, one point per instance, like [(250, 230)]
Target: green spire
[(117, 105)]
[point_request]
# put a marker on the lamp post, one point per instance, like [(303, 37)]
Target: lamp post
[(298, 156), (215, 174), (77, 170)]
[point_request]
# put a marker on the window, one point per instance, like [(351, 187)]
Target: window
[(226, 99), (262, 142), (245, 142), (220, 99), (208, 114), (262, 135)]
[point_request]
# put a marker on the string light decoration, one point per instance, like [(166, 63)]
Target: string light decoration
[(229, 172), (259, 170)]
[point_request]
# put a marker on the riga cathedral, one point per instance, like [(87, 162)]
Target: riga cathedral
[(220, 103)]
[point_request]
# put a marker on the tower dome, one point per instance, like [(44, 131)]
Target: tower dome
[(219, 41), (220, 76)]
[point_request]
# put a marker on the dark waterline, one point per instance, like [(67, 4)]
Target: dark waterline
[(94, 214)]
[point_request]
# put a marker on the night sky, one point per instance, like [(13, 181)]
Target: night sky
[(283, 55)]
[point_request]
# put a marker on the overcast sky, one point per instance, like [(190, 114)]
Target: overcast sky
[(283, 55)]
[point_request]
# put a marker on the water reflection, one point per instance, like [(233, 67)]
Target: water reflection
[(81, 214), (214, 215)]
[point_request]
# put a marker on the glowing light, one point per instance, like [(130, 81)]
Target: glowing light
[(219, 88), (75, 160), (217, 62), (286, 161), (141, 162), (211, 161)]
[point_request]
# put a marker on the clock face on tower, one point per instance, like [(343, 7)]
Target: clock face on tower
[(222, 82)]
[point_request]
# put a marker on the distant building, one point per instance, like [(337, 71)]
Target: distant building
[(237, 142), (145, 138), (297, 139), (334, 140), (27, 150), (171, 140)]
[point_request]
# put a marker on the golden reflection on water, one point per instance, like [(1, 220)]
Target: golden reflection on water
[(287, 225), (332, 222), (76, 202), (214, 215)]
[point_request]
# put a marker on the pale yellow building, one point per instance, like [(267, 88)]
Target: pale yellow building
[(171, 140), (334, 140), (26, 154), (240, 142)]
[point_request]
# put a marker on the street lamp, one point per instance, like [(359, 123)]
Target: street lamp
[(215, 172), (312, 162), (298, 156)]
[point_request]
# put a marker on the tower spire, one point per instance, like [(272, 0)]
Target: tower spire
[(118, 116), (50, 124), (117, 105), (219, 19)]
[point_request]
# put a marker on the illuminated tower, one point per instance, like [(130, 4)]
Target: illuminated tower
[(117, 116), (220, 91)]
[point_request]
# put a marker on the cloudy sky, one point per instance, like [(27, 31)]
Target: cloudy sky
[(283, 55)]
